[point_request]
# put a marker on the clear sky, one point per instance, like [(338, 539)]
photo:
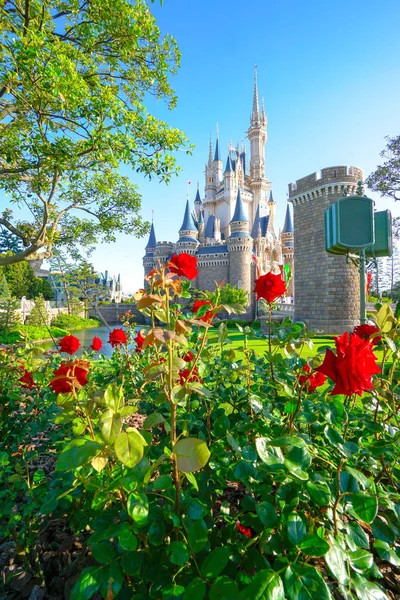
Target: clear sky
[(330, 76)]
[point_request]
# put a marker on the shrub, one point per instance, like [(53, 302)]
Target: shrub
[(73, 322)]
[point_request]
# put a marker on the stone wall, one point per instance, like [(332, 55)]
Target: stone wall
[(326, 287), (112, 312), (211, 270)]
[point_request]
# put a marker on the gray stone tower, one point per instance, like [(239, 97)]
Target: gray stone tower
[(149, 260), (240, 247), (326, 287)]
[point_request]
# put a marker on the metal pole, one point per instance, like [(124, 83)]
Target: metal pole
[(363, 314)]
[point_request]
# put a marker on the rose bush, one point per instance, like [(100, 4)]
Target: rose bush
[(193, 469)]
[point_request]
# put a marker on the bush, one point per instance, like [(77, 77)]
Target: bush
[(231, 323), (34, 332), (73, 322)]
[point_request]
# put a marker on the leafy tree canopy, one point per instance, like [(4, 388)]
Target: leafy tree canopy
[(74, 78), (386, 178)]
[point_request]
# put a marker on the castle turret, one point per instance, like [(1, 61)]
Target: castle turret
[(257, 134), (287, 239), (240, 246), (271, 209), (210, 187), (200, 227), (149, 260), (197, 203), (217, 163), (229, 176), (188, 241)]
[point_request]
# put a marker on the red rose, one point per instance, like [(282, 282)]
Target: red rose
[(26, 380), (117, 337), (139, 339), (352, 367), (97, 344), (269, 287), (69, 344), (70, 376), (244, 530), (365, 331), (184, 376), (313, 380), (189, 356), (184, 265), (208, 315)]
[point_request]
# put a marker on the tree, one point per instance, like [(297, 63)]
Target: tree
[(39, 315), (20, 278), (74, 80), (8, 315), (4, 289), (9, 242), (228, 294), (386, 178), (41, 287)]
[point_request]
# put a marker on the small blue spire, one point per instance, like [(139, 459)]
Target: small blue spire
[(288, 225), (254, 231), (197, 199), (152, 238), (239, 214), (201, 220), (216, 153), (228, 168), (271, 198), (188, 223)]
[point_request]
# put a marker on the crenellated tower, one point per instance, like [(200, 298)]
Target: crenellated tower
[(188, 233)]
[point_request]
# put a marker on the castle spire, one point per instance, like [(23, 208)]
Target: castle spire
[(216, 154), (256, 108), (229, 167), (239, 214), (288, 224), (151, 244), (188, 223), (210, 155), (197, 199)]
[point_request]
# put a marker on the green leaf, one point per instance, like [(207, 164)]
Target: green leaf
[(366, 590), (272, 457), (360, 477), (335, 561), (110, 425), (131, 563), (288, 440), (129, 448), (305, 583), (384, 318), (361, 560), (197, 534), (191, 454), (295, 470), (215, 562), (104, 553), (196, 590), (163, 482), (172, 592), (383, 531), (296, 529), (267, 514), (156, 533), (114, 397), (87, 585), (319, 492), (112, 580), (77, 453), (365, 506), (127, 538), (224, 588), (266, 585), (178, 553), (387, 553), (357, 535), (313, 545), (153, 420), (138, 508)]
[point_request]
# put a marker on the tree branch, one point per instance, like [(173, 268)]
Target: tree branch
[(14, 230)]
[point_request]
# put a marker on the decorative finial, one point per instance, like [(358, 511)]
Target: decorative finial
[(152, 216), (217, 130), (256, 108)]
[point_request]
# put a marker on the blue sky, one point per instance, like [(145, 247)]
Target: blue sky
[(330, 76)]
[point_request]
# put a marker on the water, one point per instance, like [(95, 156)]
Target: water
[(85, 336)]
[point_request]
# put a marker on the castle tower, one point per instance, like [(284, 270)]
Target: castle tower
[(287, 239), (217, 163), (257, 134), (197, 203), (240, 247), (326, 286), (210, 187), (271, 209), (188, 241), (200, 227), (149, 261)]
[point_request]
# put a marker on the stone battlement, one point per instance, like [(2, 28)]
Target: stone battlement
[(330, 176)]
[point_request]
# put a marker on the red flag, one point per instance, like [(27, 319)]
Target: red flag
[(369, 279)]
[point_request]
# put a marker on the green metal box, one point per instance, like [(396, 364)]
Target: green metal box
[(349, 225), (383, 235)]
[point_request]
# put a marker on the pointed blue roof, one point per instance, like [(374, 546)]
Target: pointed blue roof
[(271, 198), (260, 222), (239, 214), (200, 220), (288, 225), (188, 223), (216, 153), (152, 238), (209, 231), (228, 168), (254, 231), (197, 199)]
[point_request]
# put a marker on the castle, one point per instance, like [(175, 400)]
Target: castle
[(231, 230)]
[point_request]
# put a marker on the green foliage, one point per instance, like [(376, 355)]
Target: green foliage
[(39, 315), (8, 316), (72, 110), (240, 484), (386, 178), (228, 294), (73, 322), (4, 289), (31, 333), (20, 278), (41, 287)]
